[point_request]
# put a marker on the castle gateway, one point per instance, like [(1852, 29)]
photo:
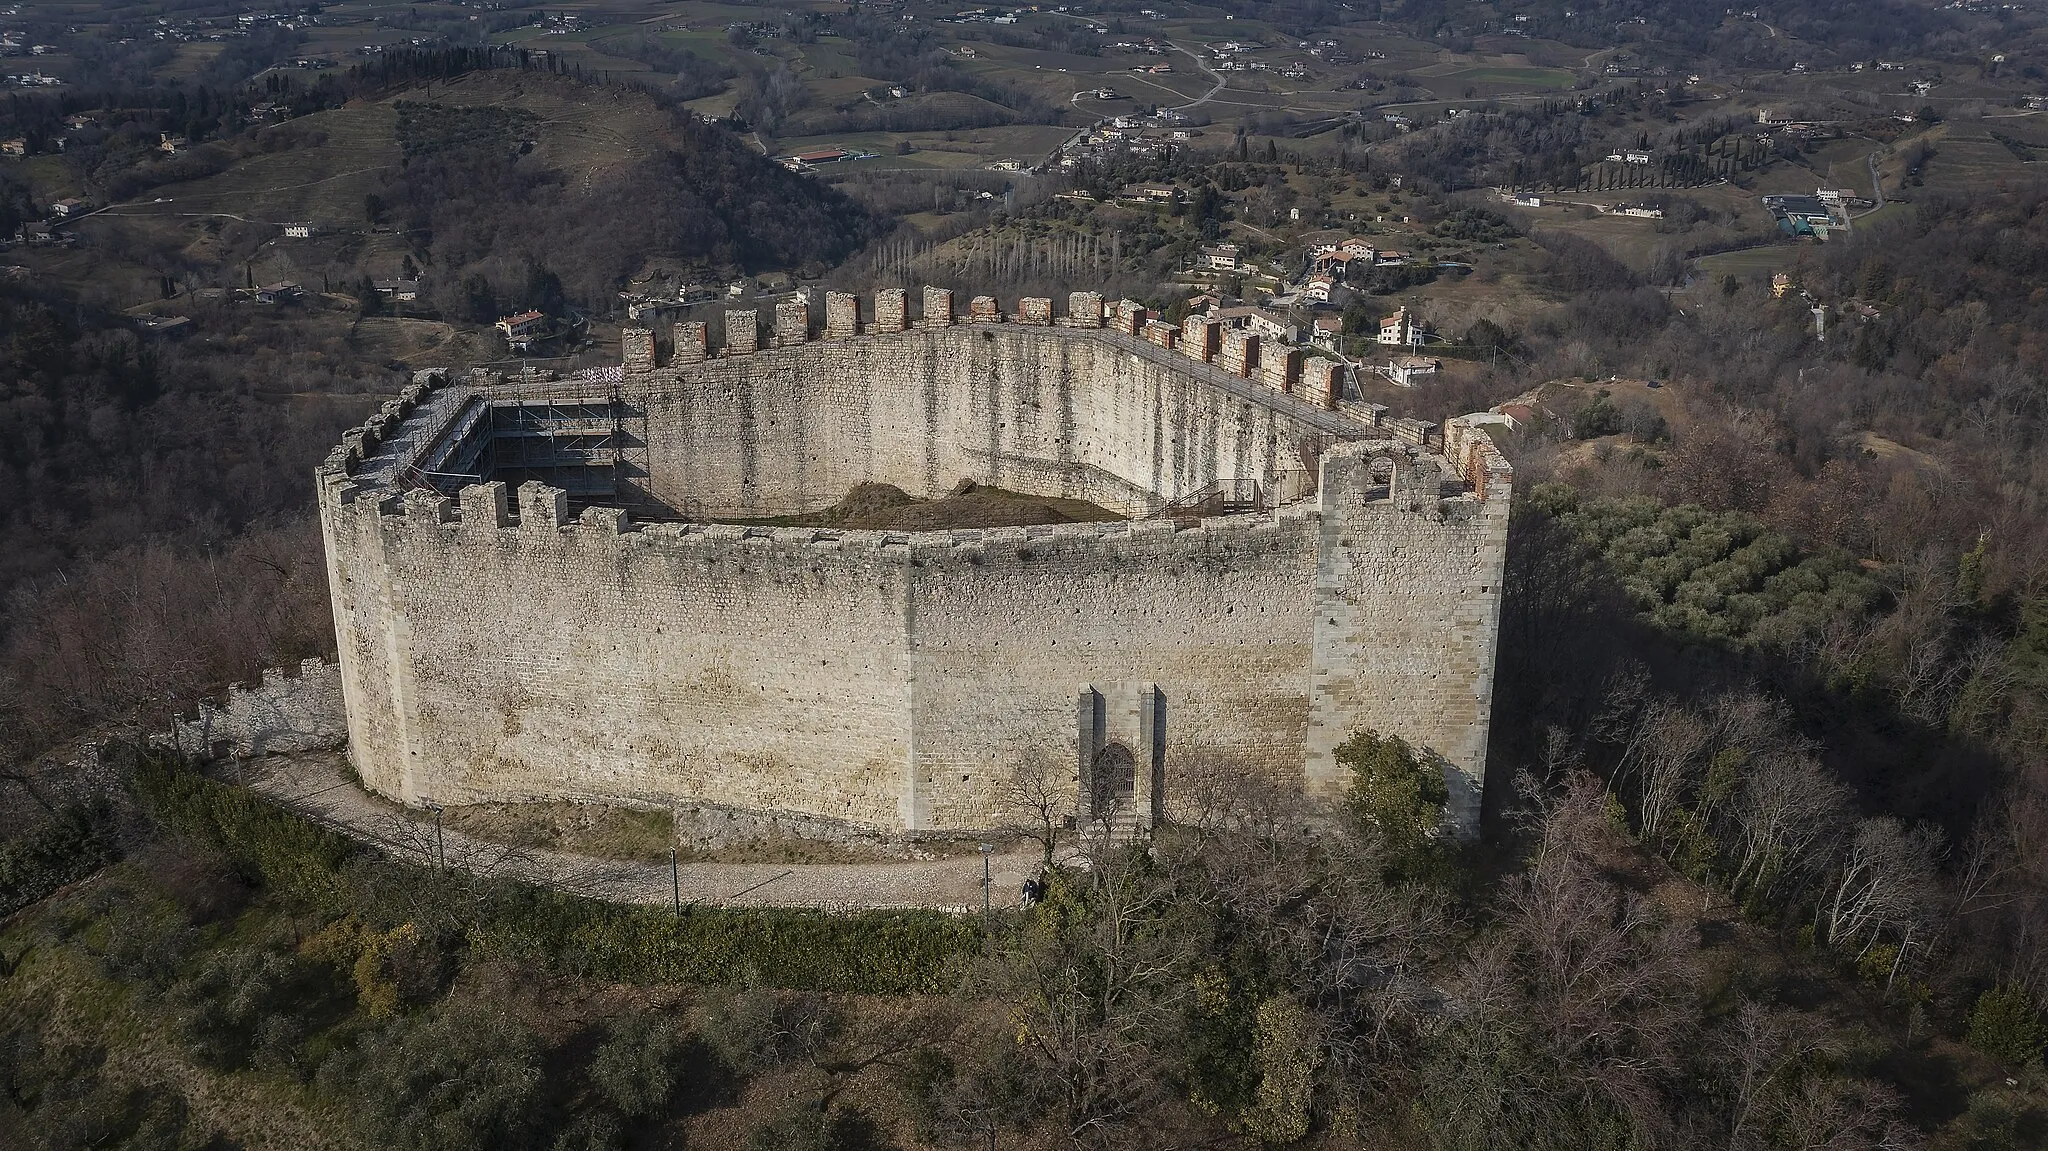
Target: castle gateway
[(533, 598)]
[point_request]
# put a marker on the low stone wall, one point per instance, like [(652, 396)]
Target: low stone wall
[(282, 713)]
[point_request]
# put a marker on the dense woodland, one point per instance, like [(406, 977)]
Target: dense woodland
[(471, 197)]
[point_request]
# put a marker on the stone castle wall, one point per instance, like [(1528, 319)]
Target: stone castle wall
[(281, 713), (495, 648), (1035, 409)]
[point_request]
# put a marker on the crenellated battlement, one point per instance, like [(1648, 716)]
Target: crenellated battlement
[(491, 511), (1297, 385), (845, 316)]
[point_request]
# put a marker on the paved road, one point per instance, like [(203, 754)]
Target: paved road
[(1204, 66), (320, 786)]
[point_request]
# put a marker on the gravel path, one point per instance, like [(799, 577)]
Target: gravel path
[(321, 787)]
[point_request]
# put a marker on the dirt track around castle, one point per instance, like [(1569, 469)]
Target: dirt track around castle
[(321, 787)]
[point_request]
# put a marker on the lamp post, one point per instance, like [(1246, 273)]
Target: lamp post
[(987, 879), (440, 844), (987, 886)]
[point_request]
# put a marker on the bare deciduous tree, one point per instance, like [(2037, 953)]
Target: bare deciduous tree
[(1887, 883), (1090, 996), (1036, 800), (1788, 810)]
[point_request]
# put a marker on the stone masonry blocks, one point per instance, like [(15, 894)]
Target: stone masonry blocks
[(638, 349), (1084, 309), (1034, 310), (1280, 367), (1240, 354), (792, 322), (486, 505), (1201, 337), (984, 310), (692, 342), (938, 308), (742, 333), (892, 310), (842, 315)]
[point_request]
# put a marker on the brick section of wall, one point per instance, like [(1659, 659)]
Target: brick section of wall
[(1201, 337), (1034, 310), (1130, 317), (1322, 383), (984, 310), (938, 308), (1162, 333), (1084, 309)]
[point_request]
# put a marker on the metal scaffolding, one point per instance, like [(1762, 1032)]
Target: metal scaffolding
[(593, 446)]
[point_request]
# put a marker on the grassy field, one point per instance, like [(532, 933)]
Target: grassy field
[(1966, 157), (347, 153), (1748, 263), (1504, 75), (960, 148)]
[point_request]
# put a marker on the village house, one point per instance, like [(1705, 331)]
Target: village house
[(1149, 193), (165, 325), (1408, 371), (521, 331), (1322, 288), (1267, 325), (403, 290), (1326, 331), (284, 291), (1402, 330), (1220, 258)]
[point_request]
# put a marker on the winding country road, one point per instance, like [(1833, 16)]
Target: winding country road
[(1205, 97)]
